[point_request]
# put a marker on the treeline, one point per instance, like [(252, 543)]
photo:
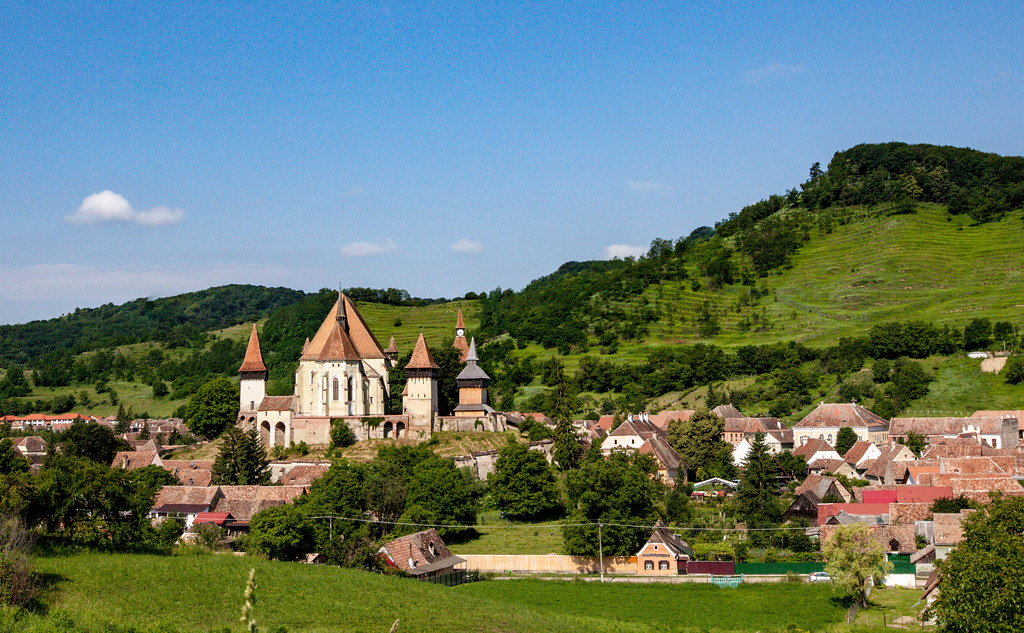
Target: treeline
[(583, 299), (789, 372), (175, 321)]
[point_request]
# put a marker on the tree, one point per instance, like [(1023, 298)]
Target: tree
[(10, 461), (977, 334), (852, 555), (211, 409), (677, 504), (522, 483), (90, 504), (915, 442), (981, 580), (616, 491), (91, 441), (280, 533), (1013, 372), (566, 450), (698, 441), (758, 495), (341, 434), (845, 440), (442, 493), (951, 505), (242, 460)]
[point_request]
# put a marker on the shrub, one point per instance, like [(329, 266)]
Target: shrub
[(17, 579), (1014, 370)]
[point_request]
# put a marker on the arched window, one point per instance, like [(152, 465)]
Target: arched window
[(648, 564), (829, 438), (335, 389)]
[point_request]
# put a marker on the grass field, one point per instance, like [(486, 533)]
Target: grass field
[(508, 538), (120, 593)]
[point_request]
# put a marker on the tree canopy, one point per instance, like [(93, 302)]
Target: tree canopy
[(698, 441), (522, 484), (242, 460), (211, 409), (758, 495), (982, 579), (852, 555)]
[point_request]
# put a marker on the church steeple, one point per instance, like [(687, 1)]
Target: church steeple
[(460, 338)]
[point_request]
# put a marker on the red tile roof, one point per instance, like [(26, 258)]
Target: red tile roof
[(253, 361), (840, 415), (421, 358), (826, 510)]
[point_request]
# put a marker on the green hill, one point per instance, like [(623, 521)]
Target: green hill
[(887, 233)]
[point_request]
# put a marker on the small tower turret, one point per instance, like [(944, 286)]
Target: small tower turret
[(420, 399), (252, 375)]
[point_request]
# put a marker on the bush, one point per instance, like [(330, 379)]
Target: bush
[(341, 434), (1014, 370), (17, 578)]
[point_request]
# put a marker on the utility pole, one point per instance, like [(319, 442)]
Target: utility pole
[(600, 551)]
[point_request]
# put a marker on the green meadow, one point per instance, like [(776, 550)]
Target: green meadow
[(115, 593)]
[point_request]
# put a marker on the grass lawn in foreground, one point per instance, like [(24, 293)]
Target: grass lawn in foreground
[(120, 592)]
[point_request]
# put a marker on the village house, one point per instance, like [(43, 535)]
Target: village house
[(422, 555), (994, 431), (815, 490), (825, 421), (664, 553), (1017, 415)]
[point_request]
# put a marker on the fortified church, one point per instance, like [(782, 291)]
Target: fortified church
[(343, 375)]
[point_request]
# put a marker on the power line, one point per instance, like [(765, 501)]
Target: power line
[(530, 526)]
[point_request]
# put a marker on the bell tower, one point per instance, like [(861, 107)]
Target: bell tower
[(460, 338)]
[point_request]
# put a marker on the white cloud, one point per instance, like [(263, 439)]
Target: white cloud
[(623, 251), (467, 246), (770, 72), (107, 206), (364, 249), (645, 186), (160, 216)]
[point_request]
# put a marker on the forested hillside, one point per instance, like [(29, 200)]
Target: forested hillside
[(894, 251)]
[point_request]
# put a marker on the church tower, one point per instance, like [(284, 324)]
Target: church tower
[(252, 375), (472, 383), (420, 399), (391, 353), (460, 338)]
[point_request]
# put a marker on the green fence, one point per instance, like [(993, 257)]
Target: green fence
[(901, 565), (763, 569)]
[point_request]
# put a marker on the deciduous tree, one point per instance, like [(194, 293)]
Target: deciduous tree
[(983, 578), (852, 555), (522, 483), (211, 409), (845, 440)]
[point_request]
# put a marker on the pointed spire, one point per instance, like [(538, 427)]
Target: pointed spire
[(459, 323), (472, 370), (392, 347), (421, 358), (253, 360)]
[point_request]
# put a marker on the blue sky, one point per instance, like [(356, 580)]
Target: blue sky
[(156, 148)]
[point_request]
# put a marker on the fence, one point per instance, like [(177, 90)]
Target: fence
[(451, 579), (778, 569), (717, 568), (551, 563)]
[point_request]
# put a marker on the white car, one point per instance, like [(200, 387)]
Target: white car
[(819, 576)]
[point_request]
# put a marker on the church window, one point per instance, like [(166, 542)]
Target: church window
[(335, 389)]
